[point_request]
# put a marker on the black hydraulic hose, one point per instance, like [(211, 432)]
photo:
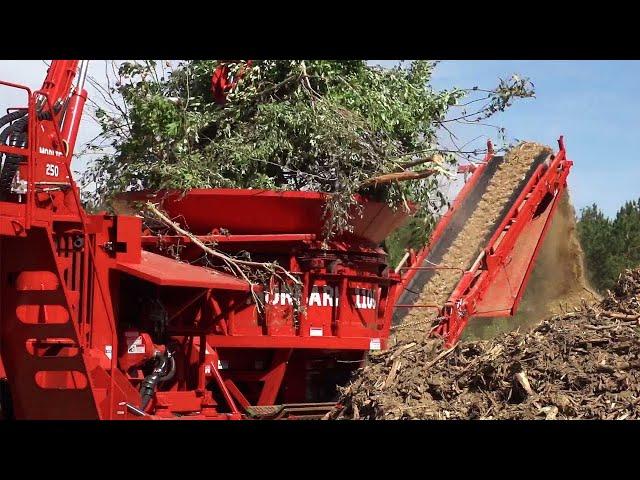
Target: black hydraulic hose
[(4, 134), (14, 127), (163, 370), (11, 117), (8, 118), (17, 134), (172, 370)]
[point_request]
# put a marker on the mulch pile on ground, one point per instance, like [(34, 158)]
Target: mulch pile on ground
[(581, 365)]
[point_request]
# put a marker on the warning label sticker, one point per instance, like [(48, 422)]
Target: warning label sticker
[(315, 332), (135, 344)]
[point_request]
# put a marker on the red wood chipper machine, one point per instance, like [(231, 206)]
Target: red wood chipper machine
[(101, 317)]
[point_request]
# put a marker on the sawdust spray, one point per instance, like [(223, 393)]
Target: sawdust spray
[(558, 282)]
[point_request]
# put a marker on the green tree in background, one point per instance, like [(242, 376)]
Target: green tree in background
[(331, 126), (610, 246), (596, 234), (626, 234), (411, 235)]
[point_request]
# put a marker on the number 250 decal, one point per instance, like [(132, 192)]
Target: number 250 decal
[(52, 170)]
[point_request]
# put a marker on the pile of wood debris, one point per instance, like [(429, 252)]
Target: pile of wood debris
[(584, 364)]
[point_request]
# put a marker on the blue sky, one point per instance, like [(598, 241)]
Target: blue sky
[(594, 104)]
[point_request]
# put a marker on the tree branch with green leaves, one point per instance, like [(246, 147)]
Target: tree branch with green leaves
[(340, 127)]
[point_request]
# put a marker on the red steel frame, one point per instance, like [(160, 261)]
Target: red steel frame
[(547, 182), (34, 223)]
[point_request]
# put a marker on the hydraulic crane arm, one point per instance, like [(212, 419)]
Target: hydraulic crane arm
[(75, 107), (57, 84), (66, 99), (58, 108)]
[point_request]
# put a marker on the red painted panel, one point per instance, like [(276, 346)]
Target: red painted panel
[(502, 292), (37, 280), (168, 272), (52, 347), (254, 212), (37, 313), (61, 380)]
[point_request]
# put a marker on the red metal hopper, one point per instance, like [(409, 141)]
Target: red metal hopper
[(256, 212)]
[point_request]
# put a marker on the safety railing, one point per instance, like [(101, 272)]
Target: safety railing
[(27, 151)]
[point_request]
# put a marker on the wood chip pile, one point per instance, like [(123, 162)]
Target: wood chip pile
[(581, 365)]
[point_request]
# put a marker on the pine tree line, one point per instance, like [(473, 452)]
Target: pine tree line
[(610, 245)]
